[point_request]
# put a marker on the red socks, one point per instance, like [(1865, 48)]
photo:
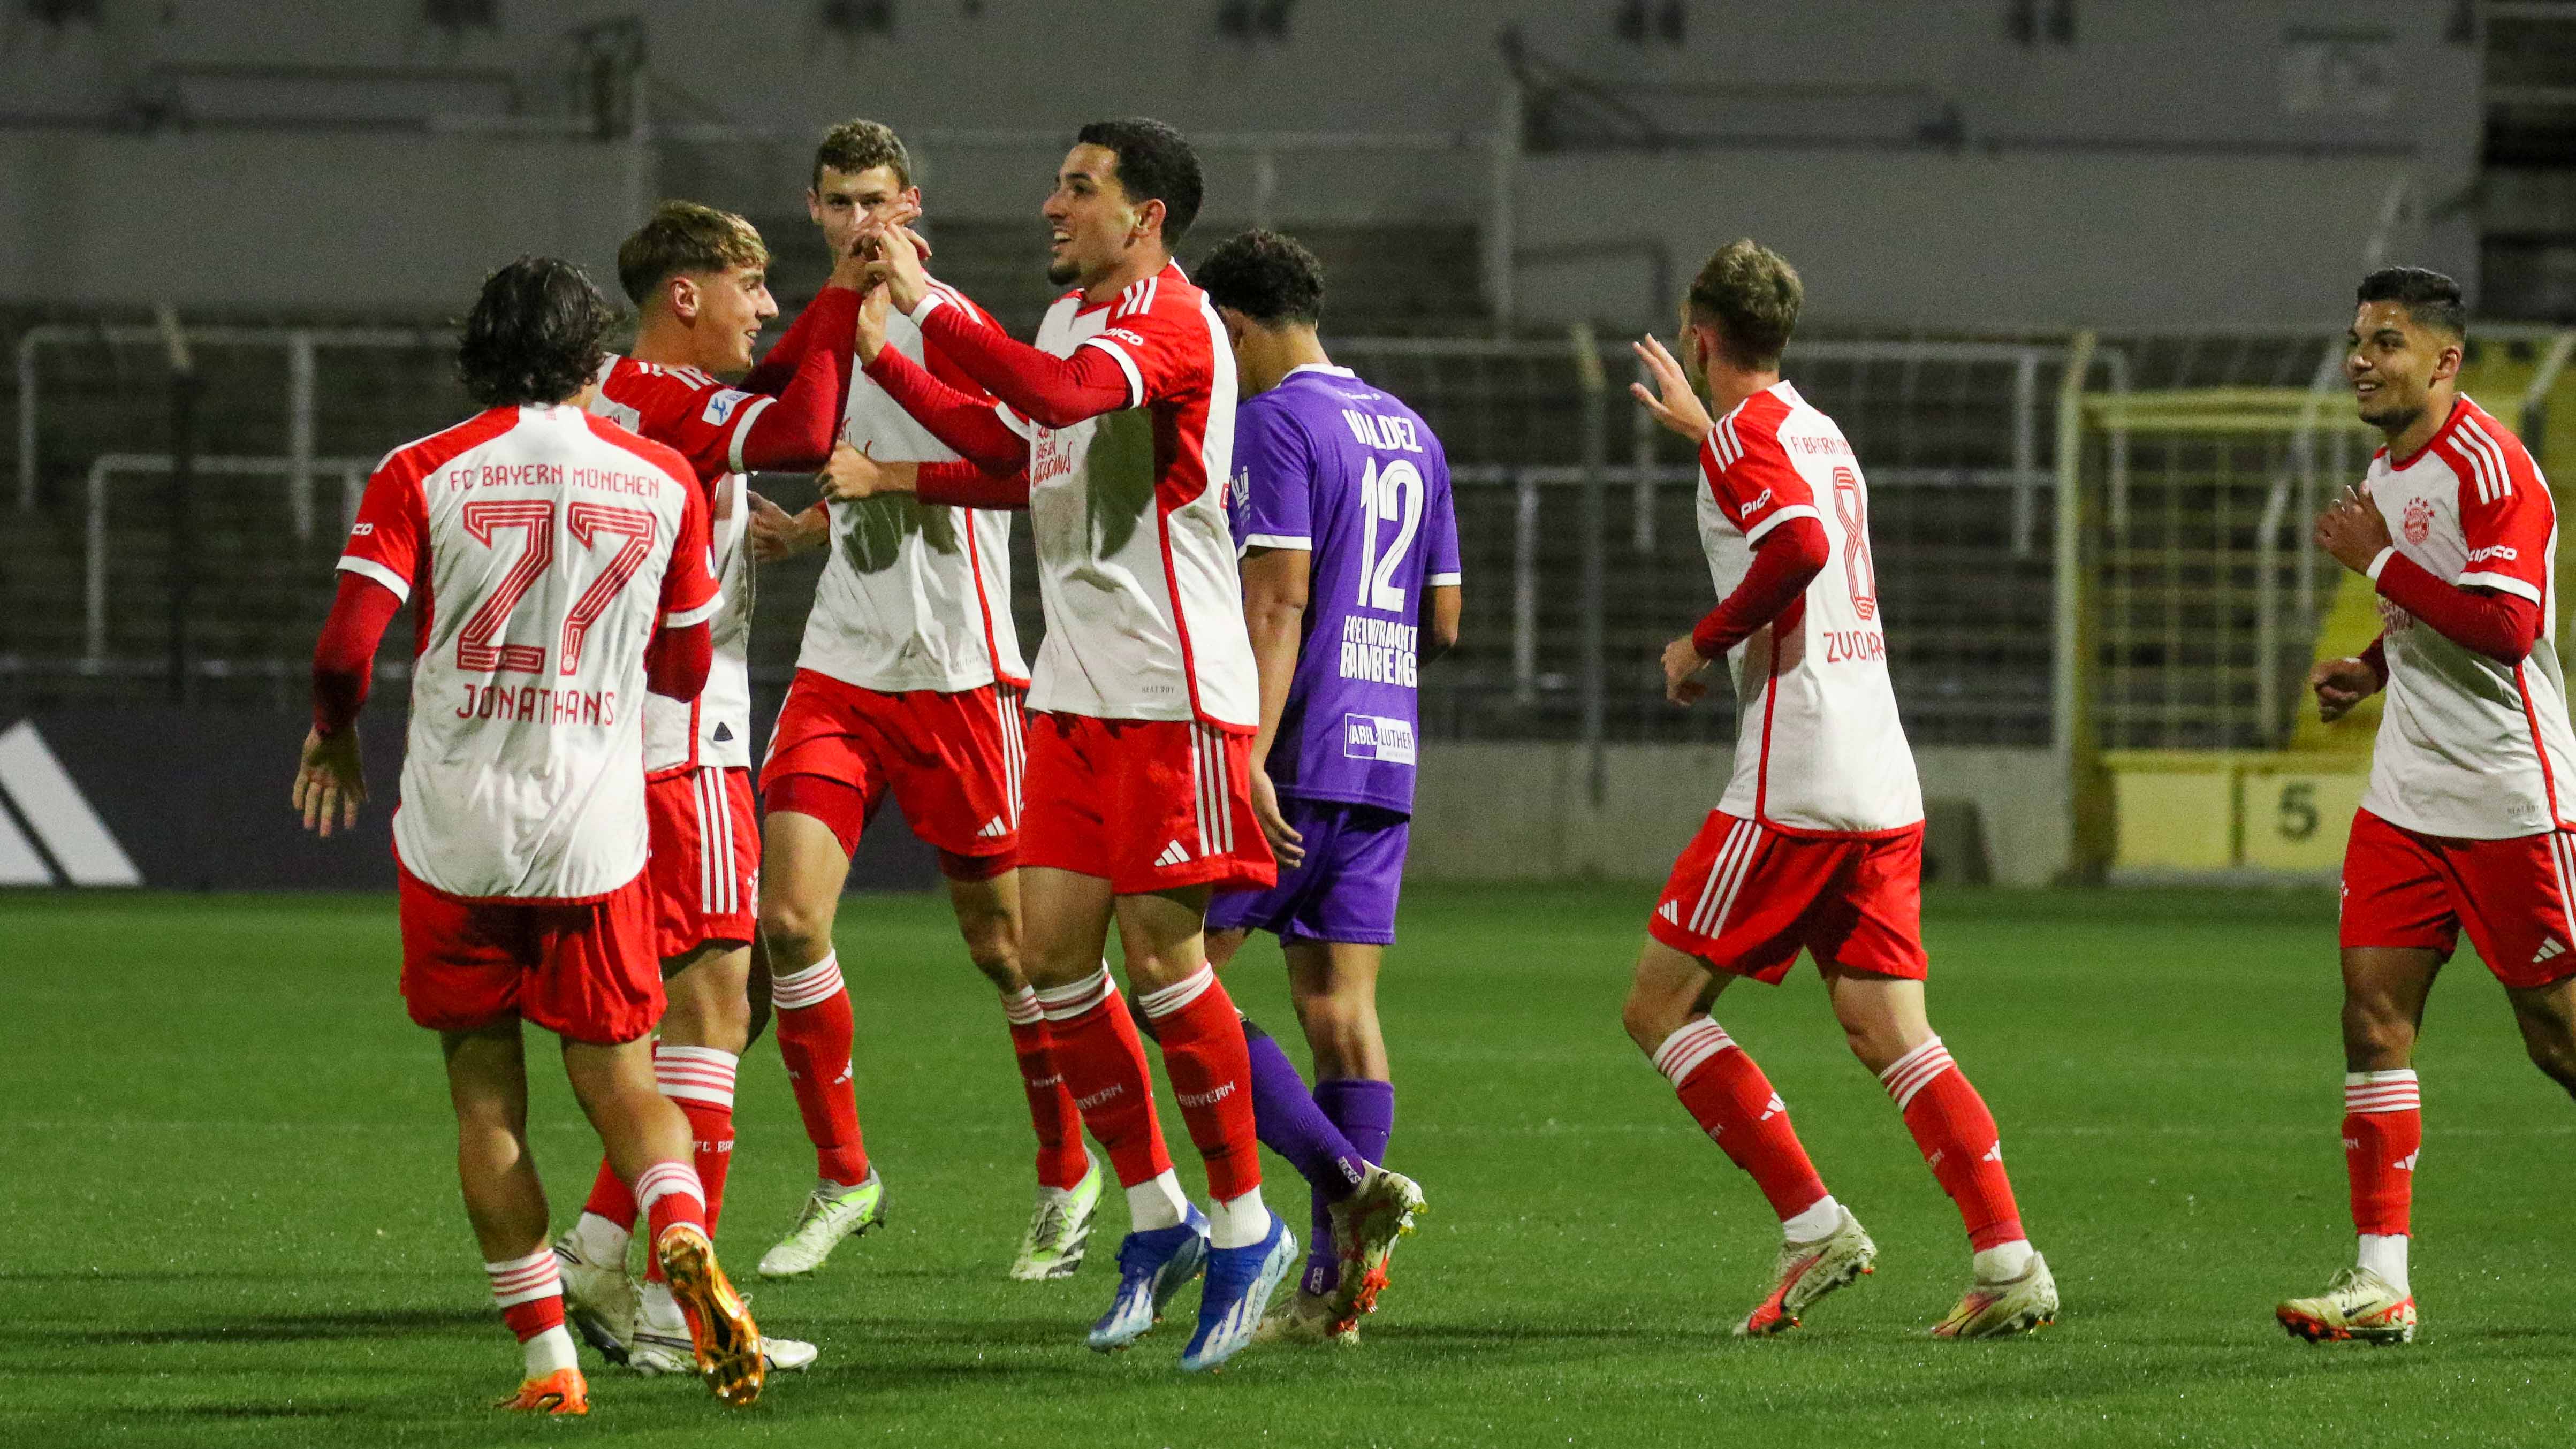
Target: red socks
[(699, 1080), (1102, 1061), (814, 1032), (1058, 1123), (529, 1292), (1734, 1104), (2383, 1128), (1957, 1135), (670, 1194), (1211, 1070)]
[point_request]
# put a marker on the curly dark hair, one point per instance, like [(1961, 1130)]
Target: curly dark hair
[(1266, 276), (1154, 164), (2430, 298), (534, 335)]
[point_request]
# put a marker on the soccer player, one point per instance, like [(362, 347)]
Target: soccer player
[(1818, 840), (909, 683), (2465, 821), (698, 279), (1350, 549), (557, 568), (1118, 426)]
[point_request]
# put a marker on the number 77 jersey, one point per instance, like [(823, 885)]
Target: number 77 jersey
[(1818, 747), (540, 550)]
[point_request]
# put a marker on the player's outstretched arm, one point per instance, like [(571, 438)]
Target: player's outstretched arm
[(330, 781), (1056, 392), (796, 433)]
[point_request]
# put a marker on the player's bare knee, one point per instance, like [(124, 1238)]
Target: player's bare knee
[(795, 932), (2378, 1034)]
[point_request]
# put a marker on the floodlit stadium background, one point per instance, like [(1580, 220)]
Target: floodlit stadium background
[(2075, 275)]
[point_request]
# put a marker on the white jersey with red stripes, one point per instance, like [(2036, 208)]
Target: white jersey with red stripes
[(540, 549), (2469, 746), (1144, 607), (916, 595), (705, 421), (1818, 746)]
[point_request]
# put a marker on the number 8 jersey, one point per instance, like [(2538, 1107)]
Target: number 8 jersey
[(1818, 747), (540, 549)]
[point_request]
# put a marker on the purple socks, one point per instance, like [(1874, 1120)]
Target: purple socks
[(1328, 1135), (1364, 1110)]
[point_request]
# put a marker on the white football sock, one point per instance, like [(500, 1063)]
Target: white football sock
[(1816, 1222), (2385, 1255), (601, 1242), (1238, 1222), (1157, 1203), (549, 1351), (2003, 1262)]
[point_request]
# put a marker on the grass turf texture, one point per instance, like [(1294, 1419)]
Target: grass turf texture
[(233, 1218)]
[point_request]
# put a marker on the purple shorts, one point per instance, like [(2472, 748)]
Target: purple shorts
[(1343, 891)]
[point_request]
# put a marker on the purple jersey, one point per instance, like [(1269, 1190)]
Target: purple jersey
[(1327, 463)]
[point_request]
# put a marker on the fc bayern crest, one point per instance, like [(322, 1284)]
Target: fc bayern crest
[(2419, 520)]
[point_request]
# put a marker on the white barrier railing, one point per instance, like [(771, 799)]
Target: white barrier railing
[(353, 482)]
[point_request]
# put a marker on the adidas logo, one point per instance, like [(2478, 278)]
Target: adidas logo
[(2407, 1163), (70, 845), (1172, 855), (1993, 1154), (993, 829), (1670, 911), (2548, 947), (1775, 1109)]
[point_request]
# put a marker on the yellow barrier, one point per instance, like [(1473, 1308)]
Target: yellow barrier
[(2188, 814)]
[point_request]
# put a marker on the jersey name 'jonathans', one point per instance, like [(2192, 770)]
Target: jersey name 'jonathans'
[(1380, 651)]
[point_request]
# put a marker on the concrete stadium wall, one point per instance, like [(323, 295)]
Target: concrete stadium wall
[(1522, 811)]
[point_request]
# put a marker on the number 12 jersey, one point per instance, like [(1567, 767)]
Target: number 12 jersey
[(1819, 749)]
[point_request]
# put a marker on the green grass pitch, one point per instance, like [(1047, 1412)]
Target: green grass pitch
[(232, 1218)]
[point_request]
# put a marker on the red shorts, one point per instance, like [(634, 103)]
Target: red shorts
[(1745, 897), (1151, 804), (2405, 889), (952, 762), (705, 862), (586, 972)]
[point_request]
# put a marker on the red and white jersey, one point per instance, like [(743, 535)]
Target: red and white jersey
[(2468, 746), (1144, 607), (540, 550), (1818, 747), (916, 595), (705, 421)]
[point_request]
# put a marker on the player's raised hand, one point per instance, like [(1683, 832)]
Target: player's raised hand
[(1673, 401), (897, 254), (852, 475), (777, 534), (870, 336), (1285, 840), (1683, 667), (2352, 530), (2340, 684), (330, 782)]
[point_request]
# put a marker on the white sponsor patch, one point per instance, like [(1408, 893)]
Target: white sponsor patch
[(1375, 737)]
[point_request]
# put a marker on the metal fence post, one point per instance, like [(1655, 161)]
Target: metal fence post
[(1524, 588), (299, 431), (2071, 733), (27, 419), (2025, 515), (1596, 511), (182, 532)]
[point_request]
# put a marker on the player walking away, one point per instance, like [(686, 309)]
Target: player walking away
[(557, 566), (909, 683), (1818, 840), (1350, 547), (698, 279), (1118, 427), (2466, 821)]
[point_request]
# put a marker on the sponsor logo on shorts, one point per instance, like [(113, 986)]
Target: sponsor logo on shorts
[(2549, 947), (1172, 855), (1375, 737), (993, 829)]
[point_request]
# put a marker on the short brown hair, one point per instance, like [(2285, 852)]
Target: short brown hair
[(855, 146), (685, 237), (1752, 294)]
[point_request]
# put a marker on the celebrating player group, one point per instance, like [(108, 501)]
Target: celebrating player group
[(1245, 554)]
